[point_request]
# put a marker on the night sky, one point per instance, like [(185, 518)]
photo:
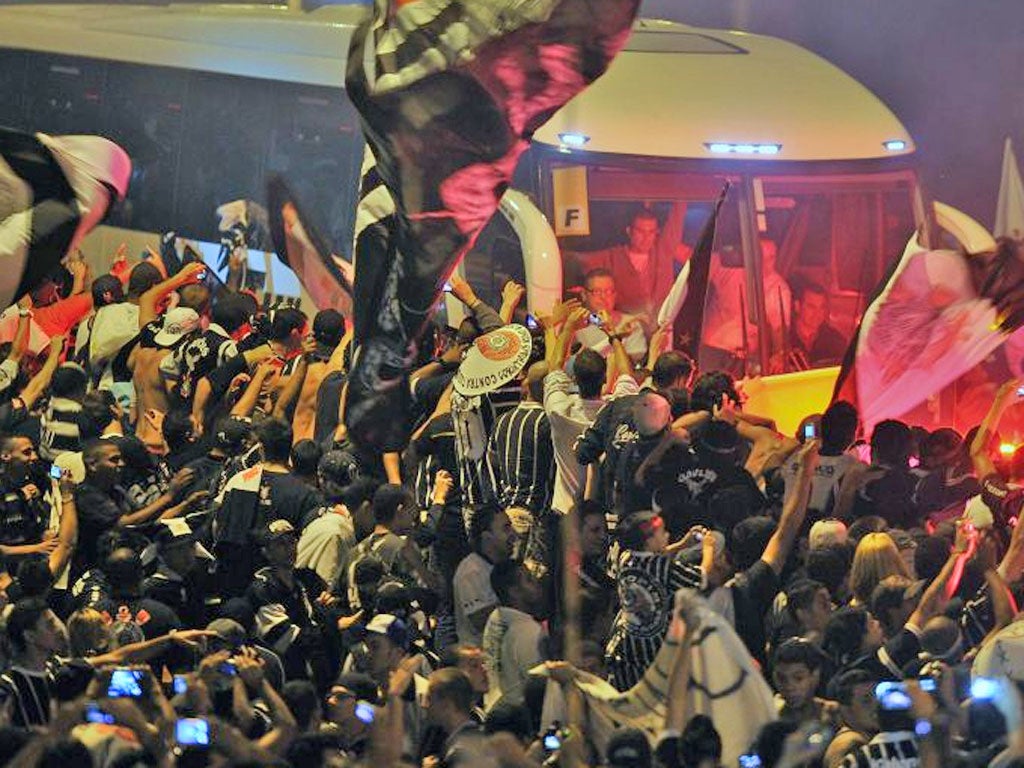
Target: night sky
[(951, 70)]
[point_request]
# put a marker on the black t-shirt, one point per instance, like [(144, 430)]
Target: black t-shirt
[(24, 520), (612, 432), (328, 401), (827, 348), (889, 495), (887, 662), (290, 499), (98, 512), (1004, 501), (753, 592)]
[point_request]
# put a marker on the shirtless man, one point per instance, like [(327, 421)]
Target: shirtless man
[(150, 393), (328, 331)]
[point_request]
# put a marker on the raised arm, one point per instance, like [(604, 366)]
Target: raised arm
[(794, 511), (41, 381), (150, 300), (511, 294), (982, 462)]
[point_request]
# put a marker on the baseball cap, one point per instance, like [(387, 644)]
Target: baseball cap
[(177, 323), (228, 630), (177, 532)]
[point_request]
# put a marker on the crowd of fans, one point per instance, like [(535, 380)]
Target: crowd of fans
[(197, 567)]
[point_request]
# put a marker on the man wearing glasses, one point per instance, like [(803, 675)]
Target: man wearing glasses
[(599, 297)]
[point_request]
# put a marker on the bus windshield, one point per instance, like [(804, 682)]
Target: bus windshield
[(821, 243)]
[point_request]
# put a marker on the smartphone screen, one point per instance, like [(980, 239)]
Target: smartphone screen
[(56, 472), (93, 714), (180, 685), (192, 732), (125, 684), (365, 712), (531, 323), (810, 431), (892, 697)]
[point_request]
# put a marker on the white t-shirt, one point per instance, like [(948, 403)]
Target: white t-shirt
[(472, 592), (594, 338), (513, 644), (324, 544), (829, 472)]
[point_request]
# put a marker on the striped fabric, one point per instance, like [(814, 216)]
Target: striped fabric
[(31, 693), (524, 458), (53, 190), (449, 93), (59, 430)]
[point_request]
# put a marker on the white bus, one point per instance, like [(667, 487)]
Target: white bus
[(210, 99)]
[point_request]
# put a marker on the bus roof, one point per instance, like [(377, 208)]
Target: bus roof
[(693, 89)]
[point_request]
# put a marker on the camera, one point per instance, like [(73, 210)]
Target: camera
[(56, 472), (365, 712), (892, 696), (179, 685)]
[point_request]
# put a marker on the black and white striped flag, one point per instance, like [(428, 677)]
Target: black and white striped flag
[(449, 94), (53, 191)]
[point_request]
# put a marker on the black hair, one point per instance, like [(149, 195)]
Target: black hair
[(634, 531), (329, 327), (829, 566), (177, 429), (589, 370), (123, 569), (303, 701), (143, 277), (748, 539), (275, 435), (700, 741), (106, 284), (230, 312), (504, 577), (308, 749), (844, 632), (800, 595), (69, 381), (481, 522), (839, 426), (306, 455), (709, 389), (361, 490), (34, 578), (891, 443), (97, 413), (796, 650), (589, 508), (508, 717), (22, 618), (670, 367), (808, 286), (386, 501), (771, 741), (284, 321), (841, 687)]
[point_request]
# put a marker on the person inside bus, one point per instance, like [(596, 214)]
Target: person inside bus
[(643, 268), (813, 342), (600, 298), (729, 338)]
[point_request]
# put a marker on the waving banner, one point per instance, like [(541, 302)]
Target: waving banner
[(449, 94)]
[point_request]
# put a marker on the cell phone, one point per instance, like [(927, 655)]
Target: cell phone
[(928, 684), (892, 696), (810, 431), (201, 275), (594, 319), (125, 684), (750, 760), (365, 712), (93, 714), (447, 288), (56, 472), (552, 739), (698, 536), (984, 689), (192, 732), (228, 668), (531, 323), (1020, 392), (179, 685)]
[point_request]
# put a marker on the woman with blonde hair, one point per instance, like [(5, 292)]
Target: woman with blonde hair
[(876, 558)]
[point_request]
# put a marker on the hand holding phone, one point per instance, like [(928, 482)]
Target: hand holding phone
[(56, 472)]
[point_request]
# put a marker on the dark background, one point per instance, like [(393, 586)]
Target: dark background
[(951, 70)]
